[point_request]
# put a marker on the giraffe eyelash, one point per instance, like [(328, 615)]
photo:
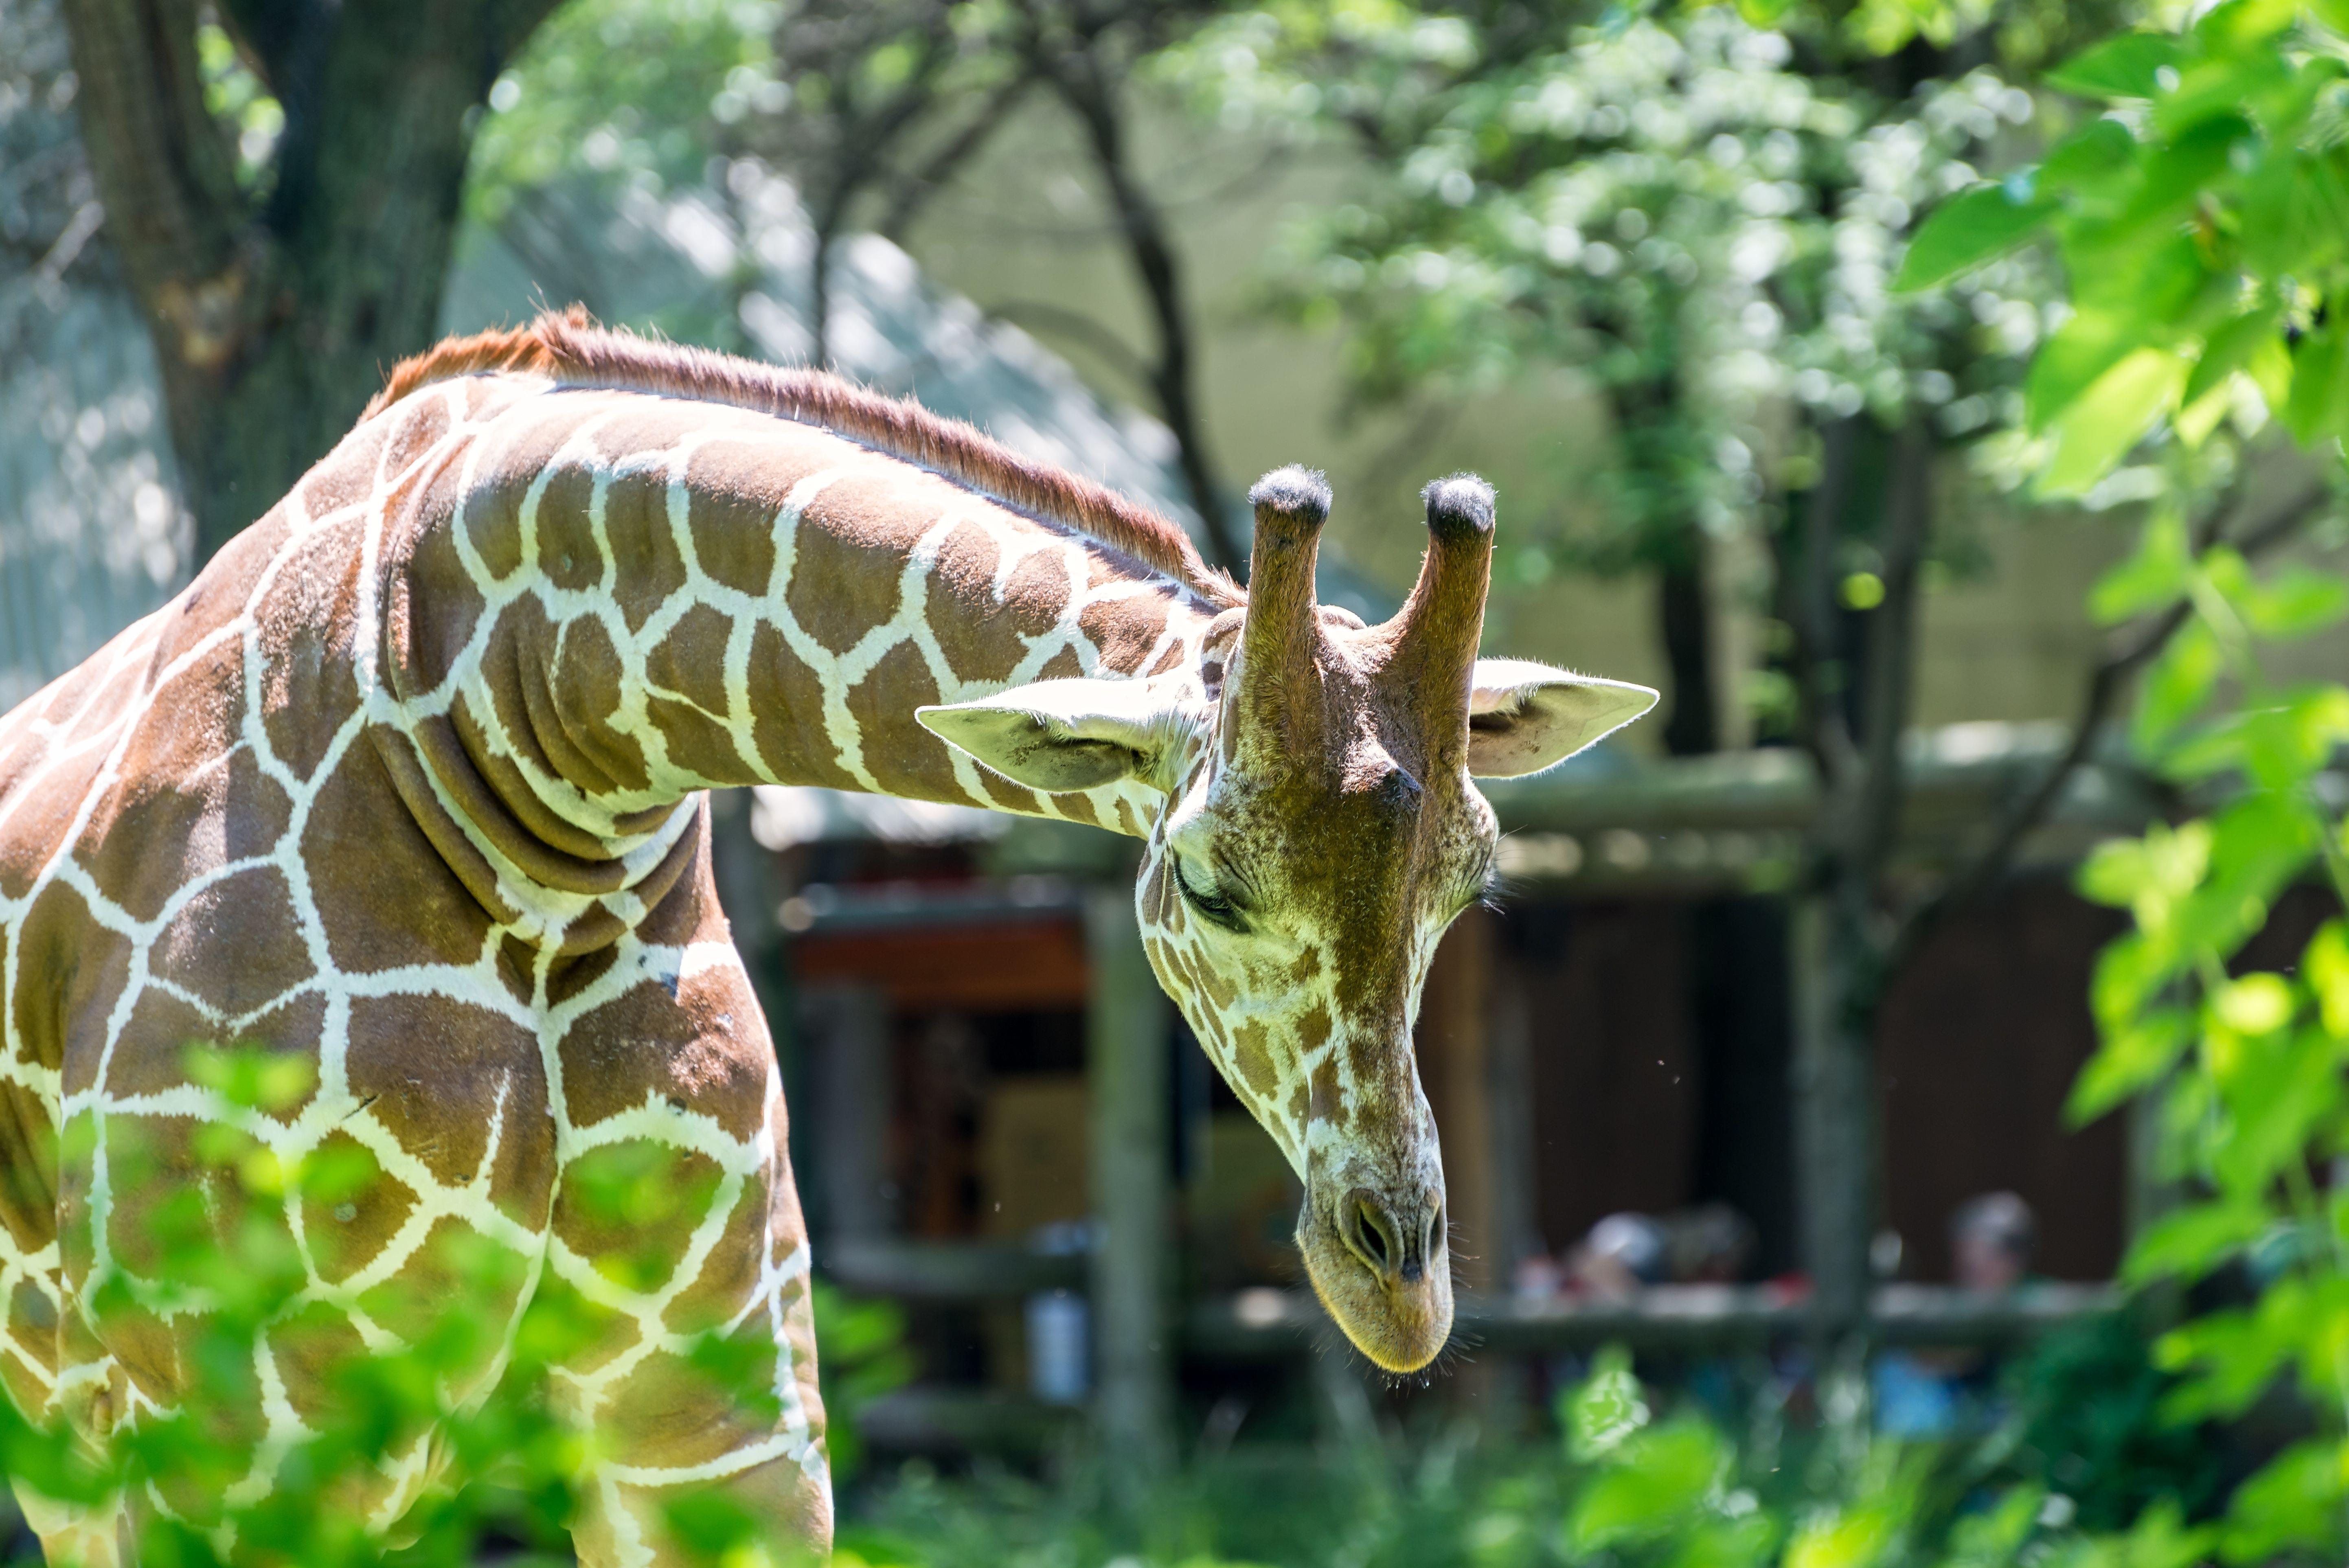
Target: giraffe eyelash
[(1213, 907)]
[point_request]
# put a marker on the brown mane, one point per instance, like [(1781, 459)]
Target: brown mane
[(571, 349)]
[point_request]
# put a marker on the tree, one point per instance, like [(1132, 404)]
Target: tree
[(2201, 225), (1704, 214), (284, 189), (888, 101)]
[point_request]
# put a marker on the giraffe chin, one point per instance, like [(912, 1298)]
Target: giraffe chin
[(1394, 1302)]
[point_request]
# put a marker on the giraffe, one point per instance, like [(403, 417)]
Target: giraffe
[(410, 783)]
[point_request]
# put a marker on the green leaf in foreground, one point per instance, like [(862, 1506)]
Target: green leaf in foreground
[(1968, 229), (2128, 66), (2097, 429)]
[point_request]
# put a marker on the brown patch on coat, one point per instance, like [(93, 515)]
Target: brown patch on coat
[(385, 896), (237, 945), (428, 1068), (304, 627), (648, 1044), (351, 1207)]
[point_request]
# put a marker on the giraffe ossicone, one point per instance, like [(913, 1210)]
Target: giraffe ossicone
[(408, 784)]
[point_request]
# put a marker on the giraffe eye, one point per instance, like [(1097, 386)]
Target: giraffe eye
[(1213, 907)]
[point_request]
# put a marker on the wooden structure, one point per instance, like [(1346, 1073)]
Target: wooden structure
[(1627, 851)]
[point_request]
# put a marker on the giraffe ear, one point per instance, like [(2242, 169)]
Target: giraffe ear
[(1524, 717), (1063, 734)]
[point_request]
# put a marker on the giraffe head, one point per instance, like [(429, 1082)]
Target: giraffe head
[(1317, 831)]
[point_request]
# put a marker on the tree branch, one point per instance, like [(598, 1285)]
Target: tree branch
[(1808, 606), (917, 186), (862, 141), (2105, 682), (1081, 81), (163, 170), (273, 329)]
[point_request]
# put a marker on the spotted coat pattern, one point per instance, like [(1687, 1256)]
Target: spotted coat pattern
[(408, 782)]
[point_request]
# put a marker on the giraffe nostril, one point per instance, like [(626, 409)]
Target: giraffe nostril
[(1374, 1237), (1371, 1231)]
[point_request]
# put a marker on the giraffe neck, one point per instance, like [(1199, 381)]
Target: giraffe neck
[(600, 604)]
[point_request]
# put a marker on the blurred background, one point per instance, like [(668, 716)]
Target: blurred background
[(1770, 1035)]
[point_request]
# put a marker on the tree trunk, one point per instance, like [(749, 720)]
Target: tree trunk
[(1085, 88), (1686, 620), (1836, 1144), (1841, 939), (276, 319)]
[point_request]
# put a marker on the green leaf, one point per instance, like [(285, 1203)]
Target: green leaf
[(1855, 1539), (2295, 212), (2240, 27), (2181, 681), (2319, 403), (2069, 362), (2154, 578), (2294, 1501), (1663, 1474), (2134, 1057), (2099, 426), (1604, 1413), (2189, 1242), (2228, 348), (2089, 159), (2325, 968), (2294, 602), (1728, 1543), (1969, 230), (2124, 67)]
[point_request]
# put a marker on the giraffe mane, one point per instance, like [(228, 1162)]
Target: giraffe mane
[(570, 348)]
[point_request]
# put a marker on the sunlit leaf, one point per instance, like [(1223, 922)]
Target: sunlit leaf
[(1969, 230), (2189, 1242), (2294, 602), (2133, 1058), (2182, 679), (2325, 968), (1664, 1473), (1852, 1538), (2152, 578), (2228, 349), (1606, 1410), (2126, 66), (2319, 403)]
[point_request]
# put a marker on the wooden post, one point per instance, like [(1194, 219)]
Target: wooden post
[(1127, 1074), (1454, 1071), (846, 1028)]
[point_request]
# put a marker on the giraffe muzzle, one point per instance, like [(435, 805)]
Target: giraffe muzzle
[(1378, 1260)]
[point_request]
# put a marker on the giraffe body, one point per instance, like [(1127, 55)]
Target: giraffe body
[(408, 783)]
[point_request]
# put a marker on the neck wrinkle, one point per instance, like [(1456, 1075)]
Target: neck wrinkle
[(543, 896)]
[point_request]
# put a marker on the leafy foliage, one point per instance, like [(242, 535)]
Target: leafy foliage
[(2196, 216), (2200, 215), (510, 1466), (1699, 214)]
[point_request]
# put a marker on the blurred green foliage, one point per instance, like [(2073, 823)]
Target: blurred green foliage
[(2202, 219), (220, 1251), (1697, 213), (635, 91), (1631, 1481), (2197, 217)]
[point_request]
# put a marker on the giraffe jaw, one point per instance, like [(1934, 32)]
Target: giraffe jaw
[(1400, 1317)]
